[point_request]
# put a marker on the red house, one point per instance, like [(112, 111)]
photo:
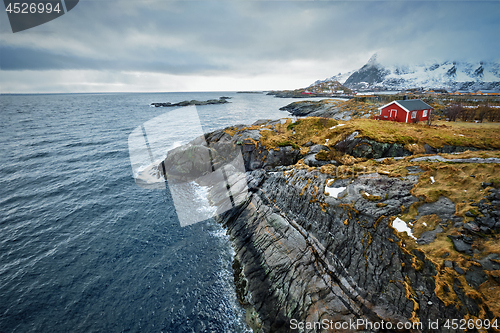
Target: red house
[(406, 111)]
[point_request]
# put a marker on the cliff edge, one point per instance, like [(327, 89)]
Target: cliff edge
[(345, 230)]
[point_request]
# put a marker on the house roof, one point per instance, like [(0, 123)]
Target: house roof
[(410, 105)]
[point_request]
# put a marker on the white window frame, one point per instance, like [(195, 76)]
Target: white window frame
[(395, 112), (424, 114), (413, 114)]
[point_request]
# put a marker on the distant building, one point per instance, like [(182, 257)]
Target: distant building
[(406, 111)]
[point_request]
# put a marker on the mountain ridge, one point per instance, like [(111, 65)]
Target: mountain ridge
[(448, 75)]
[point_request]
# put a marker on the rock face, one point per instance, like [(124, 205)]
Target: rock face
[(447, 149), (254, 154), (340, 262), (305, 256), (316, 109), (363, 147)]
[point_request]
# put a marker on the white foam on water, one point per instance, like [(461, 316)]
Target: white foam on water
[(201, 197)]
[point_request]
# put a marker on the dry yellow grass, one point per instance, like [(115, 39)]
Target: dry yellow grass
[(470, 125), (486, 135)]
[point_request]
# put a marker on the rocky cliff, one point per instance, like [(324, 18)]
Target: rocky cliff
[(358, 244)]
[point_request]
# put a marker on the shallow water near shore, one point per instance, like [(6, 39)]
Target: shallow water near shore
[(82, 247)]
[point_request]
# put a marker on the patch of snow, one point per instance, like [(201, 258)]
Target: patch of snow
[(326, 141), (425, 224), (461, 135), (432, 180), (337, 126), (334, 191), (401, 226)]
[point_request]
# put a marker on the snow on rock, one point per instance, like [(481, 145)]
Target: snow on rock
[(334, 191), (401, 226), (337, 126), (451, 75), (432, 180)]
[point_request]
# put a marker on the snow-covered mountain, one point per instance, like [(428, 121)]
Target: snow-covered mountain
[(449, 75), (340, 77)]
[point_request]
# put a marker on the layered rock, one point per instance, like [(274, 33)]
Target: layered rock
[(316, 109), (305, 256), (317, 242)]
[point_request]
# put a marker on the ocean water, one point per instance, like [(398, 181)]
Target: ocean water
[(82, 247)]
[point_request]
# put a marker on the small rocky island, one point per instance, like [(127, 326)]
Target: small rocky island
[(221, 100), (363, 221)]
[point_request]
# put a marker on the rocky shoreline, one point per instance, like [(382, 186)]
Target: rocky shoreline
[(316, 239)]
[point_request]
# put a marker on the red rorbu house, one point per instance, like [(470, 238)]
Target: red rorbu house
[(406, 111)]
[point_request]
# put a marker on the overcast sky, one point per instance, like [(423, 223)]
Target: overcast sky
[(134, 45)]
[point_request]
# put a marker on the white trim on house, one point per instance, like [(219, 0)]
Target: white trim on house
[(396, 102)]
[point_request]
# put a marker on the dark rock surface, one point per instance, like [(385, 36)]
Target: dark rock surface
[(446, 149), (317, 109), (363, 147)]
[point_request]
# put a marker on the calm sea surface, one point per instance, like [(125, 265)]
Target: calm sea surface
[(82, 247)]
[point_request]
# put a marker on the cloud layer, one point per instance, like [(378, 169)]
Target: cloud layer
[(254, 43)]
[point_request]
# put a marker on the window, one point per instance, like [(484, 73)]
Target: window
[(424, 114), (414, 115)]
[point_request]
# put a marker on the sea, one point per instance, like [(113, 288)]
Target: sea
[(83, 248)]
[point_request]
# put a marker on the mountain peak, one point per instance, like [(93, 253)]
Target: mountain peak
[(451, 75), (373, 60)]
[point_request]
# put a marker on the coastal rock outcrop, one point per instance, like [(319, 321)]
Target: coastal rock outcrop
[(317, 109), (356, 243), (221, 100), (304, 256)]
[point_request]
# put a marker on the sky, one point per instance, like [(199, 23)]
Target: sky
[(161, 46)]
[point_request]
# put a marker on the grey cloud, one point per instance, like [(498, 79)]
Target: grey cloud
[(252, 37)]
